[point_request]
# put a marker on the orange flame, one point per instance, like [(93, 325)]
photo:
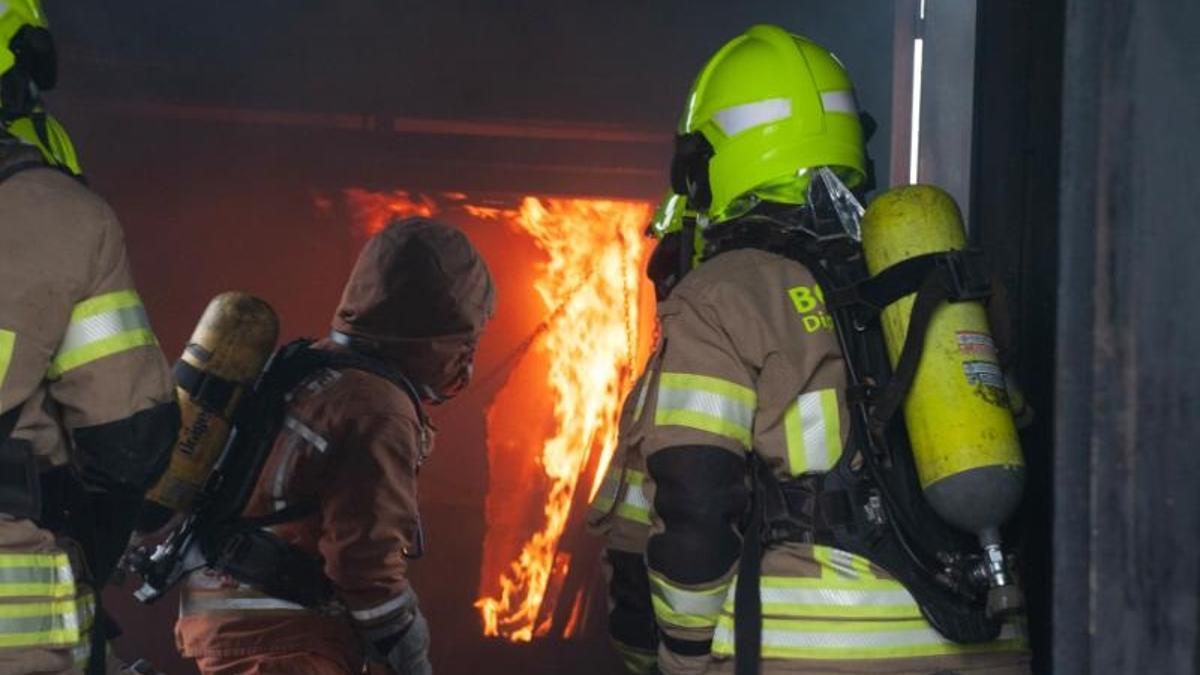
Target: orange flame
[(374, 210), (590, 282)]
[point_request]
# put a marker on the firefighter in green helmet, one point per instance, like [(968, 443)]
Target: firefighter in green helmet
[(750, 378), (87, 407)]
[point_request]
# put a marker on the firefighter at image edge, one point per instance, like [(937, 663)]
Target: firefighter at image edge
[(738, 373), (88, 405), (345, 463)]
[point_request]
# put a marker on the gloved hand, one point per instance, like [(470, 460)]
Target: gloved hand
[(400, 639), (410, 654)]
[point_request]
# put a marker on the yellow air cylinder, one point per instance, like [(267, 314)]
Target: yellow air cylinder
[(960, 426), (228, 349)]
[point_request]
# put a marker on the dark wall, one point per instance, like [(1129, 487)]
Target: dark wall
[(1127, 508), (214, 130)]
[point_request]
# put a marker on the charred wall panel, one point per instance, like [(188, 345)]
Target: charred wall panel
[(1127, 510)]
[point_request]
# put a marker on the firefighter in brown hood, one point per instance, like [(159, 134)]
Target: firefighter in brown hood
[(352, 445)]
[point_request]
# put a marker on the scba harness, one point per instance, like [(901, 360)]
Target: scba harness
[(216, 534), (870, 503)]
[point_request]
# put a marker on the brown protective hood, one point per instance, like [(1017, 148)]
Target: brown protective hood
[(420, 294)]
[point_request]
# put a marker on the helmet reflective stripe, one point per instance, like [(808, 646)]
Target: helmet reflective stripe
[(739, 118), (839, 102), (772, 107)]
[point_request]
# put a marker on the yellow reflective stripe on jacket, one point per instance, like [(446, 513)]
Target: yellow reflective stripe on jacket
[(633, 505), (833, 640), (683, 607), (102, 326), (25, 575), (640, 404), (814, 432), (806, 598), (40, 623), (8, 340), (706, 403), (839, 564)]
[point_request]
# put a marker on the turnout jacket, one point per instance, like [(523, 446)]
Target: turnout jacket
[(352, 442), (749, 362), (77, 354)]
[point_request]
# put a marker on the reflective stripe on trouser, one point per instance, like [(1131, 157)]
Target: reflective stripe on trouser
[(26, 575), (685, 607), (102, 326), (48, 622), (633, 505), (708, 404), (813, 431)]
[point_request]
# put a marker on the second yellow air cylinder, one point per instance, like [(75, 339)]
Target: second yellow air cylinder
[(960, 426)]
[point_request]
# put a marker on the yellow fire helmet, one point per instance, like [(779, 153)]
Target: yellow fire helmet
[(50, 137), (669, 216), (767, 110), (28, 64)]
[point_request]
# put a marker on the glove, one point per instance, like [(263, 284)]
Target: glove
[(410, 654), (401, 640)]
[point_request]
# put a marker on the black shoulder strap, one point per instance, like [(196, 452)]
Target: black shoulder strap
[(367, 364), (949, 276)]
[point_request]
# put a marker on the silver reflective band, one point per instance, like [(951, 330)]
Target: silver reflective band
[(842, 563), (707, 403), (85, 331), (695, 603), (301, 429), (59, 574), (382, 609), (839, 102), (736, 119), (835, 596), (812, 423), (236, 604), (635, 497)]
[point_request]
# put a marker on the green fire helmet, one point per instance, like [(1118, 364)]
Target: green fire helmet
[(27, 58), (766, 111), (669, 215), (43, 131)]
